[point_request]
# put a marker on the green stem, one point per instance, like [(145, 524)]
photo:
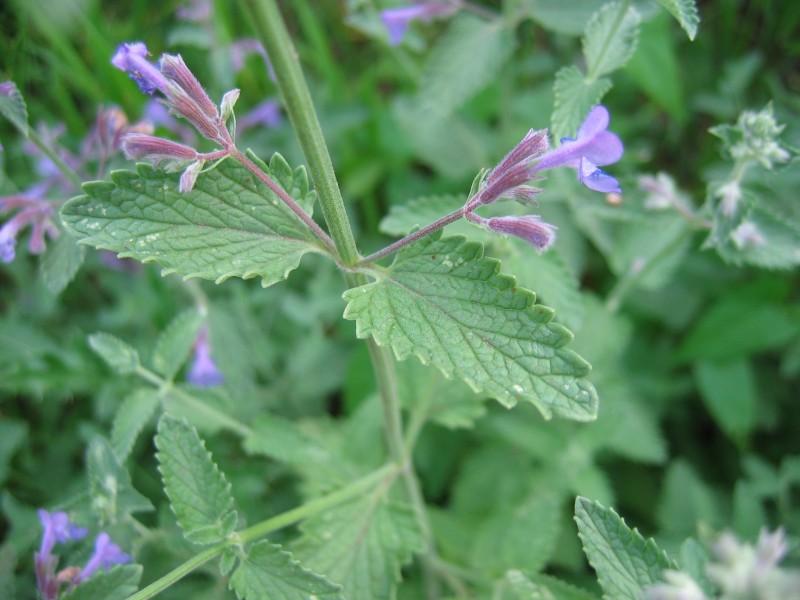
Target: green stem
[(166, 387), (273, 34), (308, 509)]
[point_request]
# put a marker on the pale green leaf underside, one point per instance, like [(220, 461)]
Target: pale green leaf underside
[(625, 561), (230, 225), (199, 494), (59, 265), (610, 39), (13, 108), (267, 571), (574, 97), (442, 301), (685, 11), (361, 545)]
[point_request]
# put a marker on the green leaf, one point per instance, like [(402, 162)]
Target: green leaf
[(12, 434), (133, 414), (117, 583), (61, 262), (444, 302), (610, 39), (267, 571), (112, 493), (625, 562), (12, 106), (175, 343), (198, 492), (685, 11), (362, 545), (118, 355), (465, 59), (8, 565), (518, 537), (686, 500), (574, 98), (230, 225), (728, 390), (515, 585)]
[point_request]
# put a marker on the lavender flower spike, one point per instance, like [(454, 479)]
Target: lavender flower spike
[(530, 228), (57, 529), (397, 20), (132, 58), (594, 146), (204, 371), (106, 554)]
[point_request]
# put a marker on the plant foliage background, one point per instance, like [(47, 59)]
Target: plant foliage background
[(693, 336)]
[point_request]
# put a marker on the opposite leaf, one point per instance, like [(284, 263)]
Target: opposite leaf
[(625, 562), (229, 225), (199, 494), (442, 301), (12, 106), (267, 571), (574, 98), (118, 355), (175, 343)]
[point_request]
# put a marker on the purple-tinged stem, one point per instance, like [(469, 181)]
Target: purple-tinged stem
[(413, 237), (266, 179)]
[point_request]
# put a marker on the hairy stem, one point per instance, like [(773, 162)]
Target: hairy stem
[(411, 238), (273, 34), (290, 517)]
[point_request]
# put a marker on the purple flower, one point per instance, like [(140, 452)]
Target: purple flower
[(509, 177), (106, 554), (268, 113), (158, 114), (204, 371), (57, 529), (34, 211), (397, 20), (140, 145), (530, 228), (132, 58), (594, 146), (182, 91)]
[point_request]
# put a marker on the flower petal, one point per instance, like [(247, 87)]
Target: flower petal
[(595, 122), (605, 149), (596, 179)]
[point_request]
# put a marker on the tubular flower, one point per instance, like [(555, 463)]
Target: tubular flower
[(204, 371), (57, 529), (593, 147), (35, 212), (106, 554)]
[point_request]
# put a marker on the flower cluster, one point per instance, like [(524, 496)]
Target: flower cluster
[(593, 147), (737, 570), (59, 529), (183, 95), (34, 211), (398, 19)]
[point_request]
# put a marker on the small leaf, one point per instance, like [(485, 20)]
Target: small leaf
[(575, 96), (465, 59), (61, 262), (228, 560), (12, 106), (362, 545), (229, 225), (556, 15), (625, 562), (133, 414), (175, 343), (515, 585), (117, 583), (267, 571), (110, 487), (685, 11), (120, 356), (728, 390), (199, 494), (444, 302), (610, 39)]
